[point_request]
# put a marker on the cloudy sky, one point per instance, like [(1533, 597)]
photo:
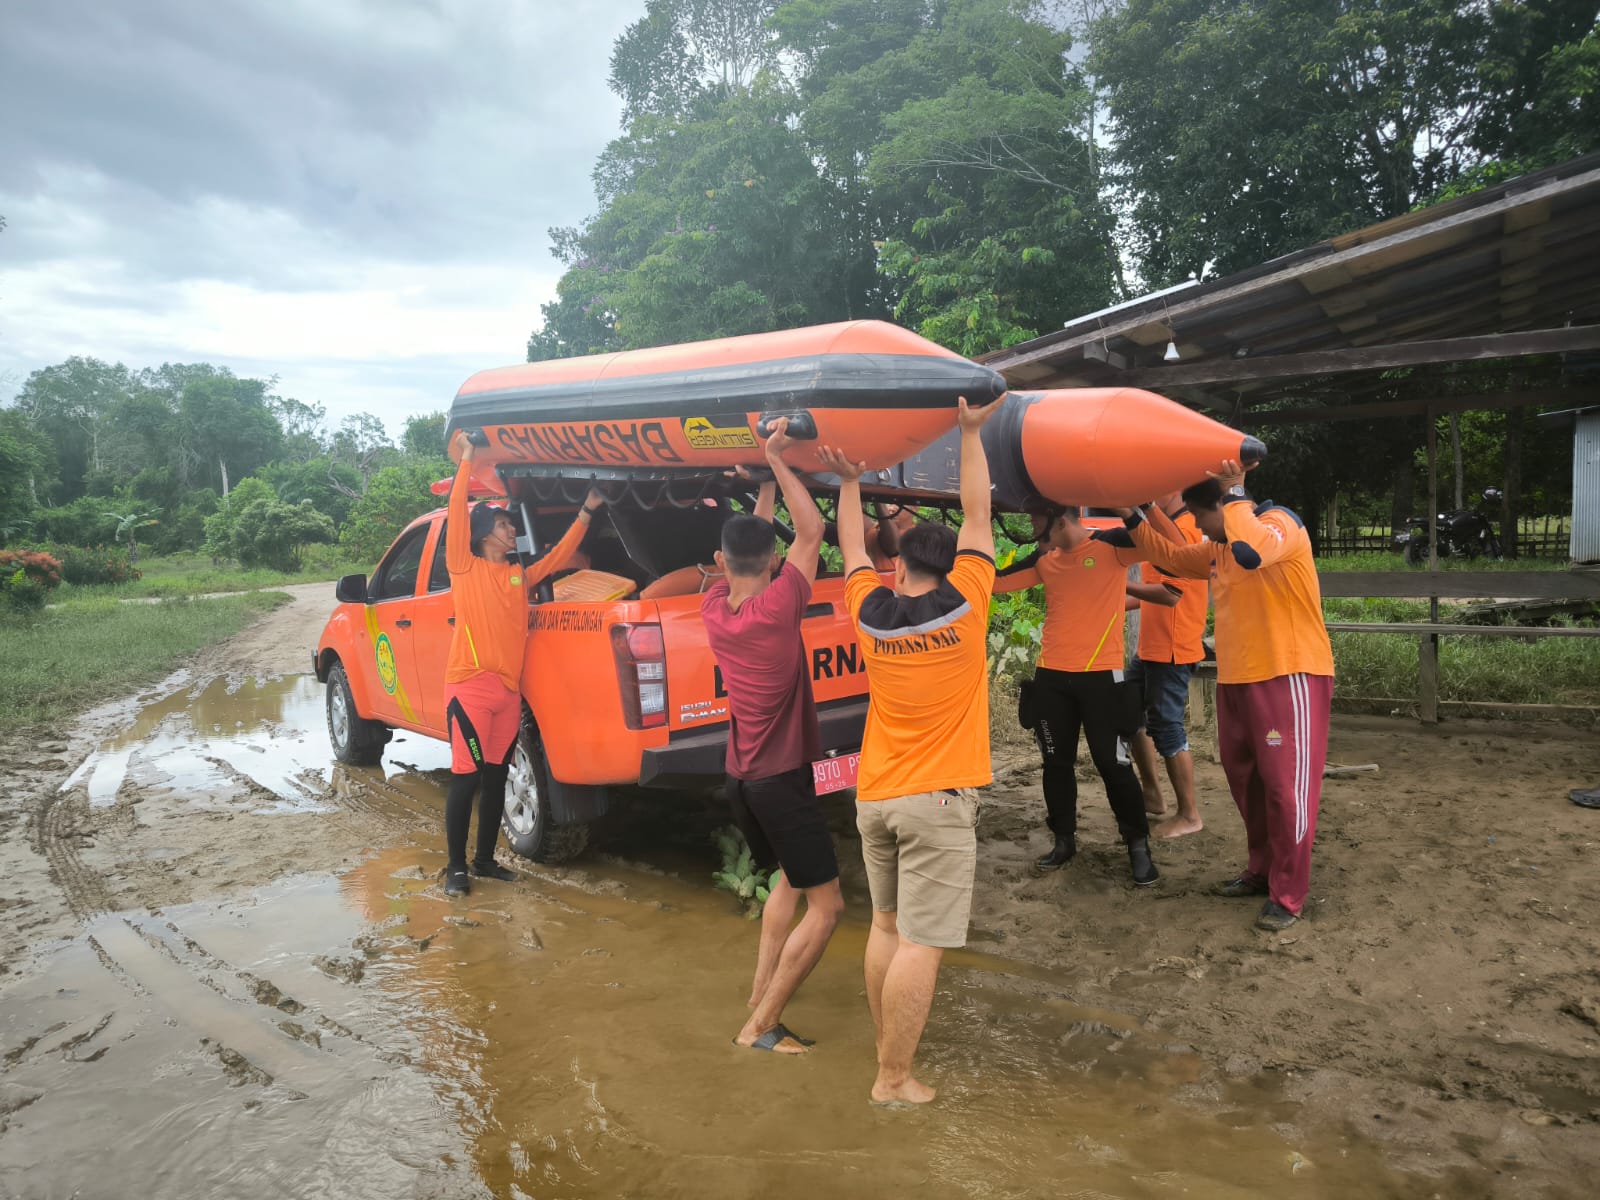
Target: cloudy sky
[(349, 194)]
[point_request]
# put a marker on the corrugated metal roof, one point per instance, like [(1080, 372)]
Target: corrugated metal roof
[(1516, 257)]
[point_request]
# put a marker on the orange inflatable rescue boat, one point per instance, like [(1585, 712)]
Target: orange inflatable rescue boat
[(880, 390), (881, 393)]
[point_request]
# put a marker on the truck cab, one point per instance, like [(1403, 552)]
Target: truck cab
[(619, 685)]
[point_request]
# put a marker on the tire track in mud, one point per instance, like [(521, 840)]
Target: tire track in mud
[(258, 1033), (58, 819)]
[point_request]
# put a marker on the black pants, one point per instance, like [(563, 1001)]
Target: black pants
[(1065, 703)]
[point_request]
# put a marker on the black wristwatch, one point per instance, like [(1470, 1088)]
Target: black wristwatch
[(592, 511)]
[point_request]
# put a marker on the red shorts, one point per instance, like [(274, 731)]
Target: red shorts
[(483, 716)]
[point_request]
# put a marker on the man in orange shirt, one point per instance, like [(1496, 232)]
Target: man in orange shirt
[(1274, 676), (1076, 683), (1172, 620), (926, 747), (483, 673)]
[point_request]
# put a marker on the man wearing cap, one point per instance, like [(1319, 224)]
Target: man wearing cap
[(483, 674)]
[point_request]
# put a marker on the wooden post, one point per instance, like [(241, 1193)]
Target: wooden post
[(1428, 677), (1428, 644)]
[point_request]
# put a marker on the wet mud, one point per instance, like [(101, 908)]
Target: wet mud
[(229, 970)]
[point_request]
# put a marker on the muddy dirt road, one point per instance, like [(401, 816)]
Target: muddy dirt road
[(229, 971)]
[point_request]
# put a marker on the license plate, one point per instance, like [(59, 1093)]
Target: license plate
[(835, 774)]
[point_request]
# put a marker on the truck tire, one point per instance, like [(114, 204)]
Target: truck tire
[(529, 824), (355, 739)]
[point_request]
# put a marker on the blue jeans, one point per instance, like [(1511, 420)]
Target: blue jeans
[(1166, 695)]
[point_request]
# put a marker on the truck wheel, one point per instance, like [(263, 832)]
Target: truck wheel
[(355, 739), (528, 823)]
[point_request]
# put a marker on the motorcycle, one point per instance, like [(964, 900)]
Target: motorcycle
[(1464, 533)]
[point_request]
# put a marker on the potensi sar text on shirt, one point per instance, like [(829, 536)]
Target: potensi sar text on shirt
[(917, 643)]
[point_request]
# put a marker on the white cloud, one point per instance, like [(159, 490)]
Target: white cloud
[(352, 196)]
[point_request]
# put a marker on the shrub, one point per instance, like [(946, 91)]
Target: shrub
[(88, 565), (27, 577)]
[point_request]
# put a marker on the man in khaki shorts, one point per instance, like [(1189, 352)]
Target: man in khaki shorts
[(926, 747)]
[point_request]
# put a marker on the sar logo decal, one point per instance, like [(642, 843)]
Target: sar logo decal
[(1089, 562), (516, 580), (703, 434), (388, 673)]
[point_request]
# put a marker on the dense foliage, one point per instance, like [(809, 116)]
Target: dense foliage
[(979, 170)]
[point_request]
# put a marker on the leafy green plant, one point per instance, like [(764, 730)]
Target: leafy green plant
[(88, 565), (27, 577), (739, 874)]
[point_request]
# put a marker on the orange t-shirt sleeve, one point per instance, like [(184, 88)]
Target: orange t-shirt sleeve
[(860, 584), (559, 554), (1190, 562), (458, 530), (973, 576), (1253, 541)]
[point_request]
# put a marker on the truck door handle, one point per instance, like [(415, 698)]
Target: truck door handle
[(451, 621), (403, 623)]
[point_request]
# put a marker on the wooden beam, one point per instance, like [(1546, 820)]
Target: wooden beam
[(1427, 631), (1485, 402), (1099, 353), (1523, 585), (1372, 358)]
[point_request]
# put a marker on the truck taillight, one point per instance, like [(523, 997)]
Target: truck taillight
[(641, 656)]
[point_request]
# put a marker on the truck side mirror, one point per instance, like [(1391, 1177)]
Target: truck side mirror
[(351, 589)]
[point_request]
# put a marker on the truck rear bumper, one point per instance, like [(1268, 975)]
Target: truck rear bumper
[(697, 758)]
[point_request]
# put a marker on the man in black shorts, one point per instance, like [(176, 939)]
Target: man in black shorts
[(753, 625)]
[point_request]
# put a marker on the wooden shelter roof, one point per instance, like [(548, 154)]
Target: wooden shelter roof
[(1503, 272)]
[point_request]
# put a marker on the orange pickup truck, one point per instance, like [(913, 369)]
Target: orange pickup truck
[(617, 689)]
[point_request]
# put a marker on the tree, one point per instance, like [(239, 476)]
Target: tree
[(1245, 131), (229, 424), (269, 533), (424, 435), (128, 524), (361, 444), (71, 405), (395, 497)]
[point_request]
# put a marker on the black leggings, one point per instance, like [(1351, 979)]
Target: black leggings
[(1065, 702), (458, 813)]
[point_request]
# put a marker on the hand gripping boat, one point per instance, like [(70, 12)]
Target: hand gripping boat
[(882, 394), (879, 390)]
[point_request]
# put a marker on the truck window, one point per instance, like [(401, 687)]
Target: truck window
[(396, 576), (439, 573)]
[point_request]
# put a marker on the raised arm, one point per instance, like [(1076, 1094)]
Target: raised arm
[(767, 499), (977, 531), (1189, 561), (561, 553), (802, 508), (458, 525), (852, 528)]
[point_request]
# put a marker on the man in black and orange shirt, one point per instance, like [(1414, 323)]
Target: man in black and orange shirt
[(926, 748), (1075, 686)]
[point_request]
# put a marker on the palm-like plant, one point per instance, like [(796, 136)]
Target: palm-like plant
[(127, 525)]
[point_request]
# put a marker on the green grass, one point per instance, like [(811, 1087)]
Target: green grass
[(1481, 670), (87, 651), (196, 575), (1380, 560)]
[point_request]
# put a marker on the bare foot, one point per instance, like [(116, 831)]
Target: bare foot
[(1178, 827), (1154, 805), (907, 1091), (762, 1039)]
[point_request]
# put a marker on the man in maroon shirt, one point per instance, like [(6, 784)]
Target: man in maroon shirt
[(753, 625)]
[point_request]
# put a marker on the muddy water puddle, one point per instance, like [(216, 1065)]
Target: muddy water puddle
[(357, 1034), (268, 735), (570, 1036)]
